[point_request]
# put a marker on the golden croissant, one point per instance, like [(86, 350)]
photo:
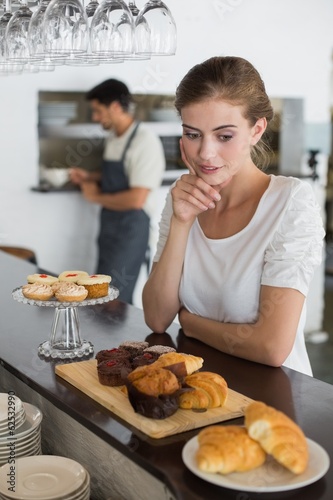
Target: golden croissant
[(225, 449), (278, 435), (210, 390), (192, 363)]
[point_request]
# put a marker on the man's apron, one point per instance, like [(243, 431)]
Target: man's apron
[(124, 235)]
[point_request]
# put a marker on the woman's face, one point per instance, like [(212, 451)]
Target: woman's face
[(217, 139)]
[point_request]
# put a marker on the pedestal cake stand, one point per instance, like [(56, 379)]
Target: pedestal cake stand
[(65, 340)]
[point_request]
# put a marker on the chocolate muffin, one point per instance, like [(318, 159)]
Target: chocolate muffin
[(113, 372), (133, 347), (146, 358), (159, 349), (115, 353)]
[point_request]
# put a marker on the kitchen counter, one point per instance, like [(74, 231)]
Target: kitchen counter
[(123, 462)]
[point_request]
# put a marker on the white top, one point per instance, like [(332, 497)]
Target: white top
[(280, 247), (144, 160)]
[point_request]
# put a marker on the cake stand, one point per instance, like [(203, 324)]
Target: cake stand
[(65, 340)]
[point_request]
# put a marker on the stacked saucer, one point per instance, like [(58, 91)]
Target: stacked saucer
[(20, 431), (44, 477)]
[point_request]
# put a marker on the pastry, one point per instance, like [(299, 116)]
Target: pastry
[(108, 354), (47, 279), (210, 390), (113, 372), (37, 291), (278, 435), (159, 349), (153, 392), (135, 348), (71, 276), (96, 284), (229, 448), (70, 292), (190, 363), (144, 359)]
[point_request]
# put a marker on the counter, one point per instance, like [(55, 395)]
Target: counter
[(125, 464)]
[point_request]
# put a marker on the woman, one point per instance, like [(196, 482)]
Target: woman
[(237, 247)]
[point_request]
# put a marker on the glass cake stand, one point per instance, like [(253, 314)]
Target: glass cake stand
[(65, 340)]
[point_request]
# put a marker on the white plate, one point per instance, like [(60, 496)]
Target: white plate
[(270, 477), (43, 477), (33, 419)]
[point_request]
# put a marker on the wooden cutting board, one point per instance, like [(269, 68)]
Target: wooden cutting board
[(83, 376)]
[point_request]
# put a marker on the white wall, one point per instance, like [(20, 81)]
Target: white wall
[(290, 43)]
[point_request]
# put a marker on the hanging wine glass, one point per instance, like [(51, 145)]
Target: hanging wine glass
[(111, 32), (65, 28), (89, 58), (134, 56), (17, 41), (36, 40), (157, 18), (6, 67)]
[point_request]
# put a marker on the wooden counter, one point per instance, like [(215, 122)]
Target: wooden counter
[(123, 462)]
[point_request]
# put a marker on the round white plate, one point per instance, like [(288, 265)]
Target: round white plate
[(43, 477), (33, 418), (270, 477), (8, 401)]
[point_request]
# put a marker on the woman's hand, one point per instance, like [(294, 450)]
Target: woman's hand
[(192, 195)]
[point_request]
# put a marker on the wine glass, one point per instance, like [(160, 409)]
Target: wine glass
[(134, 56), (6, 67), (17, 41), (111, 32), (156, 18), (36, 41), (65, 28)]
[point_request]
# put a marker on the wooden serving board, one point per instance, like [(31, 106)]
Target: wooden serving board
[(83, 376)]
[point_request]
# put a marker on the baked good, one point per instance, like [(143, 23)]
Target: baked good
[(113, 372), (115, 353), (278, 435), (70, 292), (189, 362), (209, 390), (144, 359), (37, 291), (71, 276), (153, 392), (47, 279), (135, 348), (229, 448), (159, 349), (96, 284)]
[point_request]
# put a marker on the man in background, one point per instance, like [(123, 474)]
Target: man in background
[(124, 187)]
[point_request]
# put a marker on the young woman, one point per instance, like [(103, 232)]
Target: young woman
[(237, 247)]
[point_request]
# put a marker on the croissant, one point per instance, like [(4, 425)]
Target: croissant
[(192, 363), (210, 390), (225, 449), (278, 435)]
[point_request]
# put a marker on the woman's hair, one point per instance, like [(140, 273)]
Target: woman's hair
[(236, 81)]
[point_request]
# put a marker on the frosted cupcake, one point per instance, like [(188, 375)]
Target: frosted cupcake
[(71, 276), (70, 292), (96, 284), (37, 291), (47, 279)]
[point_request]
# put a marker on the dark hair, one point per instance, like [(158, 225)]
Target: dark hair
[(232, 79), (109, 91)]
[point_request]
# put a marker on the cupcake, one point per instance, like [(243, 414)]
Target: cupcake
[(159, 349), (144, 359), (70, 292), (71, 276), (47, 279), (108, 354), (37, 291), (113, 372), (96, 284), (153, 392), (135, 348)]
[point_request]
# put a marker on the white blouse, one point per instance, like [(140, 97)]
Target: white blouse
[(281, 246)]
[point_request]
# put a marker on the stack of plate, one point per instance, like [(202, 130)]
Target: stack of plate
[(56, 113), (20, 431), (45, 477)]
